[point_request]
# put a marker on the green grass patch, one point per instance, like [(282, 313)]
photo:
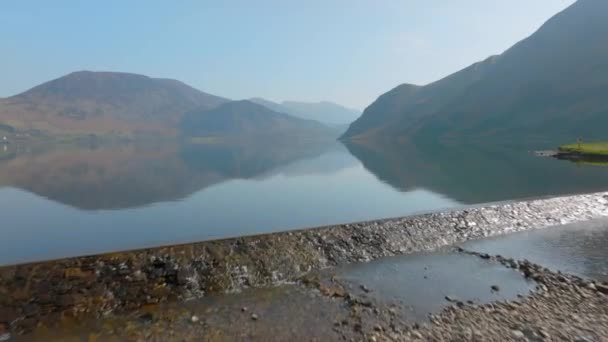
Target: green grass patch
[(594, 148)]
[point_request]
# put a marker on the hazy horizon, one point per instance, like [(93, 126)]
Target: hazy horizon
[(344, 52)]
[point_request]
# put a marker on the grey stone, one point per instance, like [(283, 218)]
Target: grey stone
[(518, 334)]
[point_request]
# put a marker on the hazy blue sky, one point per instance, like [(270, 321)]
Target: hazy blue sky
[(348, 51)]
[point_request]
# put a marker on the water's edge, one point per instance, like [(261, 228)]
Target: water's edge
[(122, 281)]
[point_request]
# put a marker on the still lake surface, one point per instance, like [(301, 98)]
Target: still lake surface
[(58, 202)]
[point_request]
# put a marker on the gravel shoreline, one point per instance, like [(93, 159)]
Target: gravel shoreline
[(42, 293), (322, 307), (563, 308)]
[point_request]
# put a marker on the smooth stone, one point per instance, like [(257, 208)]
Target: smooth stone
[(518, 334)]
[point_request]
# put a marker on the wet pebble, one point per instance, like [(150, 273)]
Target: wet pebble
[(451, 298), (416, 334), (518, 334), (146, 318)]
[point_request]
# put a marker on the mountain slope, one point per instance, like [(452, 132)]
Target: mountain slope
[(277, 107), (325, 112), (245, 119), (103, 102), (547, 88)]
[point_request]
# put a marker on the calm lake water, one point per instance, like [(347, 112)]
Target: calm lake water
[(68, 201)]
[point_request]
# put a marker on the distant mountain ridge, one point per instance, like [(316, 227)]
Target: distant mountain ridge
[(324, 111), (548, 88), (246, 118), (128, 105), (102, 102)]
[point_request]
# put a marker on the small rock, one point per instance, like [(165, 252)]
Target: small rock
[(254, 317), (518, 334), (139, 275), (7, 314), (5, 337), (31, 309), (591, 286), (495, 288), (451, 298), (146, 318), (244, 309), (194, 319), (416, 334), (365, 288), (602, 288), (530, 334)]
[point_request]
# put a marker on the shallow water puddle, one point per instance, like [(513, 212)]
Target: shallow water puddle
[(422, 282)]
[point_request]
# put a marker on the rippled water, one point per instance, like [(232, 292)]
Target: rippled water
[(57, 202)]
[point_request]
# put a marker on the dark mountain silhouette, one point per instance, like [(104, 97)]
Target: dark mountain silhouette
[(103, 102), (325, 112), (548, 88), (244, 118)]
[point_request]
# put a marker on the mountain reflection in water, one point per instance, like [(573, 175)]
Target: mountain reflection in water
[(64, 201), (125, 176), (477, 174)]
